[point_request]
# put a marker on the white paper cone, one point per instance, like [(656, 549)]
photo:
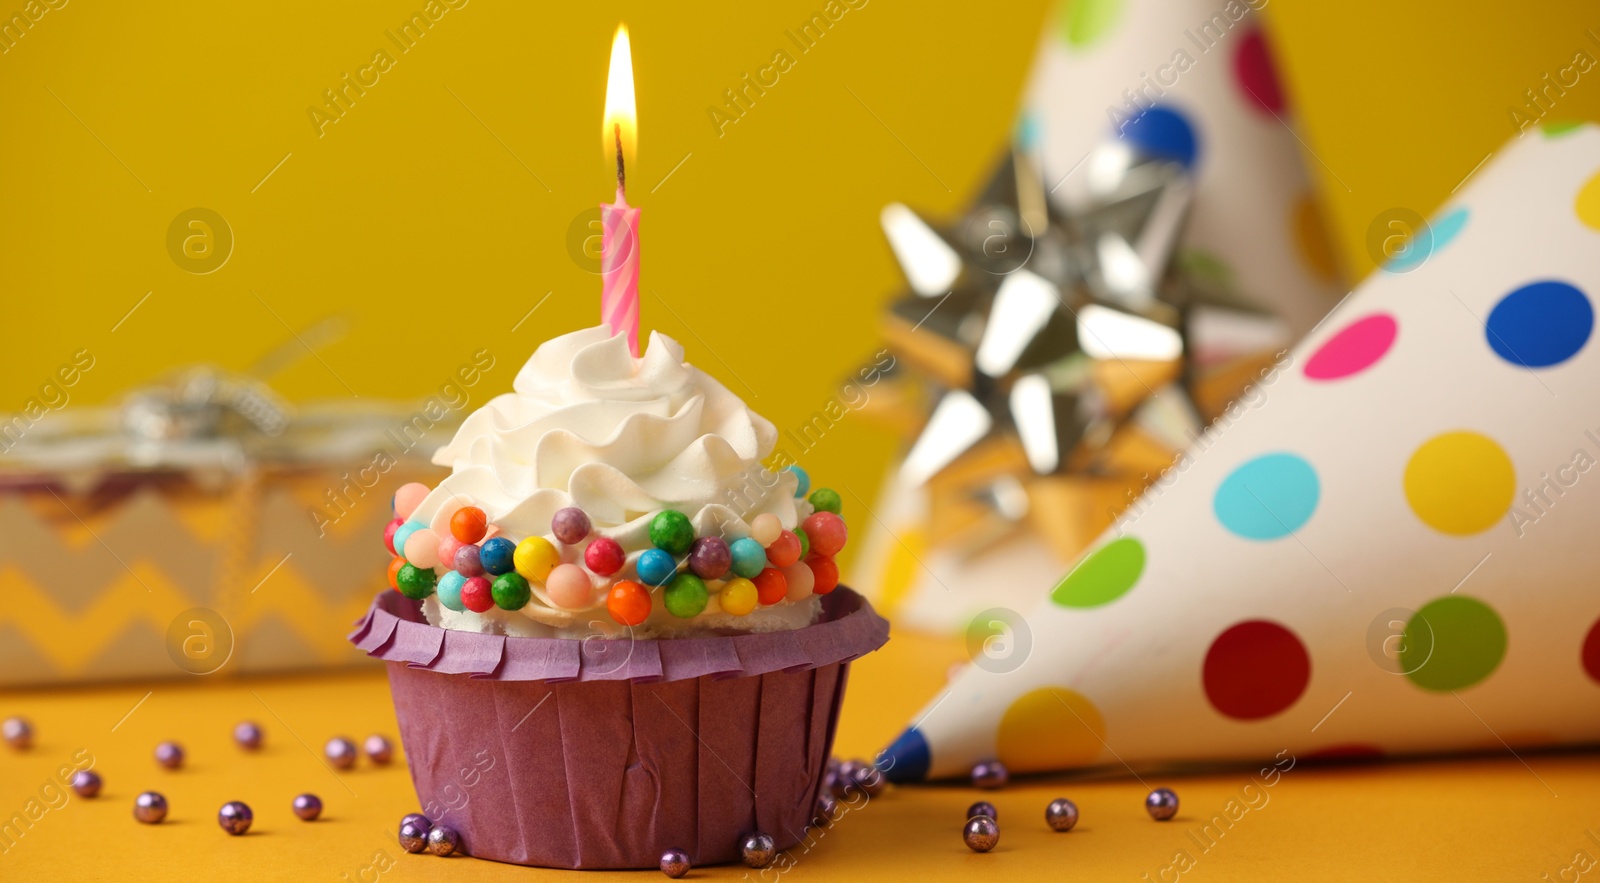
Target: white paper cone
[(1392, 551)]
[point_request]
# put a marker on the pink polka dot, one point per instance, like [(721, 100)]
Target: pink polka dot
[(1354, 349), (1255, 669), (1252, 66)]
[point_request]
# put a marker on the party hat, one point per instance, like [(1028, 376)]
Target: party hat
[(1175, 101), (1391, 551)]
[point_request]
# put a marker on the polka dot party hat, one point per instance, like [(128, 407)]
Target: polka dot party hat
[(1188, 80), (1391, 552)]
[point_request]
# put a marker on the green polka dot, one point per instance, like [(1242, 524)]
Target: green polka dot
[(1452, 643), (1557, 128), (1103, 577), (1084, 22)]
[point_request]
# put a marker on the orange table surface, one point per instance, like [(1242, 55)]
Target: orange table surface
[(1485, 818)]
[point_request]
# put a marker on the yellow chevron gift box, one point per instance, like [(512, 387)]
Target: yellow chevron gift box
[(1393, 554), (202, 526)]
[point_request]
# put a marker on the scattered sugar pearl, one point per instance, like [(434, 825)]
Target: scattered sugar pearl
[(758, 850), (235, 817), (307, 807), (18, 733), (675, 863), (443, 841), (150, 808), (413, 837), (422, 548), (990, 774), (983, 808), (408, 498), (1061, 814), (981, 833), (1162, 804), (169, 755), (388, 534), (570, 525), (86, 783), (379, 749), (341, 752), (765, 528), (569, 587), (248, 735), (709, 557)]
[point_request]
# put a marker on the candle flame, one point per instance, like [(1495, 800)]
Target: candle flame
[(621, 119)]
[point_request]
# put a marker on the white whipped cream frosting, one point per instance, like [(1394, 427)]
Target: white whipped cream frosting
[(622, 438)]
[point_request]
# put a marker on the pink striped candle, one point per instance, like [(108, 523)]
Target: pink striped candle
[(619, 268)]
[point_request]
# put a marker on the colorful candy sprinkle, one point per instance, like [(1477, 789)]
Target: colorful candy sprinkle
[(749, 558), (415, 582), (403, 533), (422, 548), (765, 528), (802, 481), (771, 587), (477, 594), (307, 807), (628, 603), (235, 817), (826, 500), (534, 558), (827, 532), (686, 596), (738, 596), (801, 579), (510, 591), (709, 558), (569, 587), (496, 555), (408, 498), (655, 567), (449, 588), (604, 556), (467, 562), (671, 532), (150, 808), (570, 525), (388, 534), (824, 573), (469, 524), (805, 542), (449, 548), (394, 573), (785, 550)]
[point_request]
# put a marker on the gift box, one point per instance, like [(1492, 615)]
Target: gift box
[(200, 526)]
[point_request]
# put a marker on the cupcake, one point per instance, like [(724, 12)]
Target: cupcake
[(614, 632)]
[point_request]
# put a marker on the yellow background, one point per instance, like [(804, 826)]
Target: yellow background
[(437, 211), (421, 222)]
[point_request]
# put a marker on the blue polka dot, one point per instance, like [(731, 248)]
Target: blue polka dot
[(1540, 324), (1268, 498), (1163, 132), (908, 759), (1027, 131), (1432, 237)]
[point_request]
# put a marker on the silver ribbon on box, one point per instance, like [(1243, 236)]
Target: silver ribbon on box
[(1057, 330)]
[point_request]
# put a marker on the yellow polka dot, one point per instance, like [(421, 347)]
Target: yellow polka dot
[(1311, 236), (1460, 483), (1050, 728), (1588, 203)]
